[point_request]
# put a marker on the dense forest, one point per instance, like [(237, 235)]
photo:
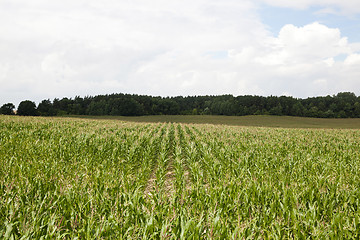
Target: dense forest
[(342, 105)]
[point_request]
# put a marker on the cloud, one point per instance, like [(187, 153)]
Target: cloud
[(74, 47), (328, 6), (353, 60), (68, 48), (301, 61), (309, 44)]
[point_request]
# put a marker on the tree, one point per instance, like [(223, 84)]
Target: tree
[(313, 112), (297, 110), (27, 108), (347, 96), (97, 108), (345, 104), (276, 110), (45, 108), (357, 109), (7, 109)]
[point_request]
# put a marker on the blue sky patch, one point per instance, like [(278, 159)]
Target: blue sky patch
[(340, 57), (276, 17), (217, 54)]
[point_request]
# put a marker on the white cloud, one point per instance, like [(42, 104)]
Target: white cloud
[(312, 43), (67, 48), (59, 47), (329, 6), (300, 61), (353, 59)]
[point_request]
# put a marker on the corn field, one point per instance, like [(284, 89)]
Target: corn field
[(104, 179)]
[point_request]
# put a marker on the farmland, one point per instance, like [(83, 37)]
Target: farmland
[(110, 179), (251, 120)]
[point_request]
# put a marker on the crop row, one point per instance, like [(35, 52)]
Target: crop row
[(86, 179)]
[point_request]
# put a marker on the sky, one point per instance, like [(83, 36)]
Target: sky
[(55, 49)]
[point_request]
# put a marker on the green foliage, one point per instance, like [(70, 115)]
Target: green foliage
[(342, 105), (27, 108), (94, 179), (7, 109), (252, 121), (45, 108)]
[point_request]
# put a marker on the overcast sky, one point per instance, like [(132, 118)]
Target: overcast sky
[(66, 48)]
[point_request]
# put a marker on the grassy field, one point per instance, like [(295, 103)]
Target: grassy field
[(254, 121), (66, 178)]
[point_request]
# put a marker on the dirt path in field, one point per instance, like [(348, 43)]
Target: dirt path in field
[(169, 187), (151, 182), (168, 184)]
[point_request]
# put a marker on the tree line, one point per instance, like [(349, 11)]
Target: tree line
[(341, 105)]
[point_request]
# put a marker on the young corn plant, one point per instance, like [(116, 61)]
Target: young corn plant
[(102, 179)]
